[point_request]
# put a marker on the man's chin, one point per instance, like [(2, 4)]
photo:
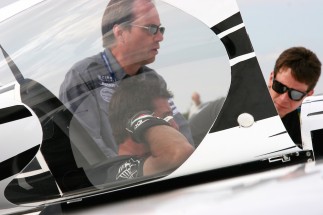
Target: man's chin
[(281, 110), (282, 113), (149, 61)]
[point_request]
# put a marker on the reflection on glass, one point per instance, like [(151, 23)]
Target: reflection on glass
[(143, 125), (187, 58)]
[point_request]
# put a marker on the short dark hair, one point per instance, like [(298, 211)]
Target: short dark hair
[(304, 65), (134, 94), (117, 12)]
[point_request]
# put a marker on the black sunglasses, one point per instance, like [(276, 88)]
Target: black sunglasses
[(152, 29), (294, 95)]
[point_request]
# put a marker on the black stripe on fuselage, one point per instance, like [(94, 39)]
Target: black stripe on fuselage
[(230, 22), (236, 43), (248, 91), (308, 102), (15, 164), (13, 113), (315, 113), (278, 151), (284, 132)]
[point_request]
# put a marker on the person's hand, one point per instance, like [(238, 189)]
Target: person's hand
[(139, 123), (168, 149)]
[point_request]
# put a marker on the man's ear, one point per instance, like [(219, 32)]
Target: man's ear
[(311, 92), (118, 33), (271, 78)]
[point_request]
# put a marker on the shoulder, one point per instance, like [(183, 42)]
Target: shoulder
[(145, 70), (292, 124), (78, 74), (80, 71), (292, 117), (81, 66)]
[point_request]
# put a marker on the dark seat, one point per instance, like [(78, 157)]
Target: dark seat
[(56, 146)]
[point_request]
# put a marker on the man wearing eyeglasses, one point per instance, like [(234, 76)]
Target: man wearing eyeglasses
[(131, 35), (295, 75)]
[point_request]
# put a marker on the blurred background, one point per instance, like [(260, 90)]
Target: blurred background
[(276, 25), (273, 26)]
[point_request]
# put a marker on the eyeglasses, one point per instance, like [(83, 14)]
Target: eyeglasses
[(294, 95), (152, 29)]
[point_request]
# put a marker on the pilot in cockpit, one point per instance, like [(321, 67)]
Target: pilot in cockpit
[(144, 129), (131, 35)]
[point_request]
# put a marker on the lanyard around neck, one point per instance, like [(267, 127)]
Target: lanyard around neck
[(108, 66)]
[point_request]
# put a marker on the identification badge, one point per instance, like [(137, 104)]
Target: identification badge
[(105, 79)]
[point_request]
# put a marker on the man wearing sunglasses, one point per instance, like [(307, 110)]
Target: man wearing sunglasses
[(295, 75), (131, 35)]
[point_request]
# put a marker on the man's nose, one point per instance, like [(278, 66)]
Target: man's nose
[(159, 36), (284, 96)]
